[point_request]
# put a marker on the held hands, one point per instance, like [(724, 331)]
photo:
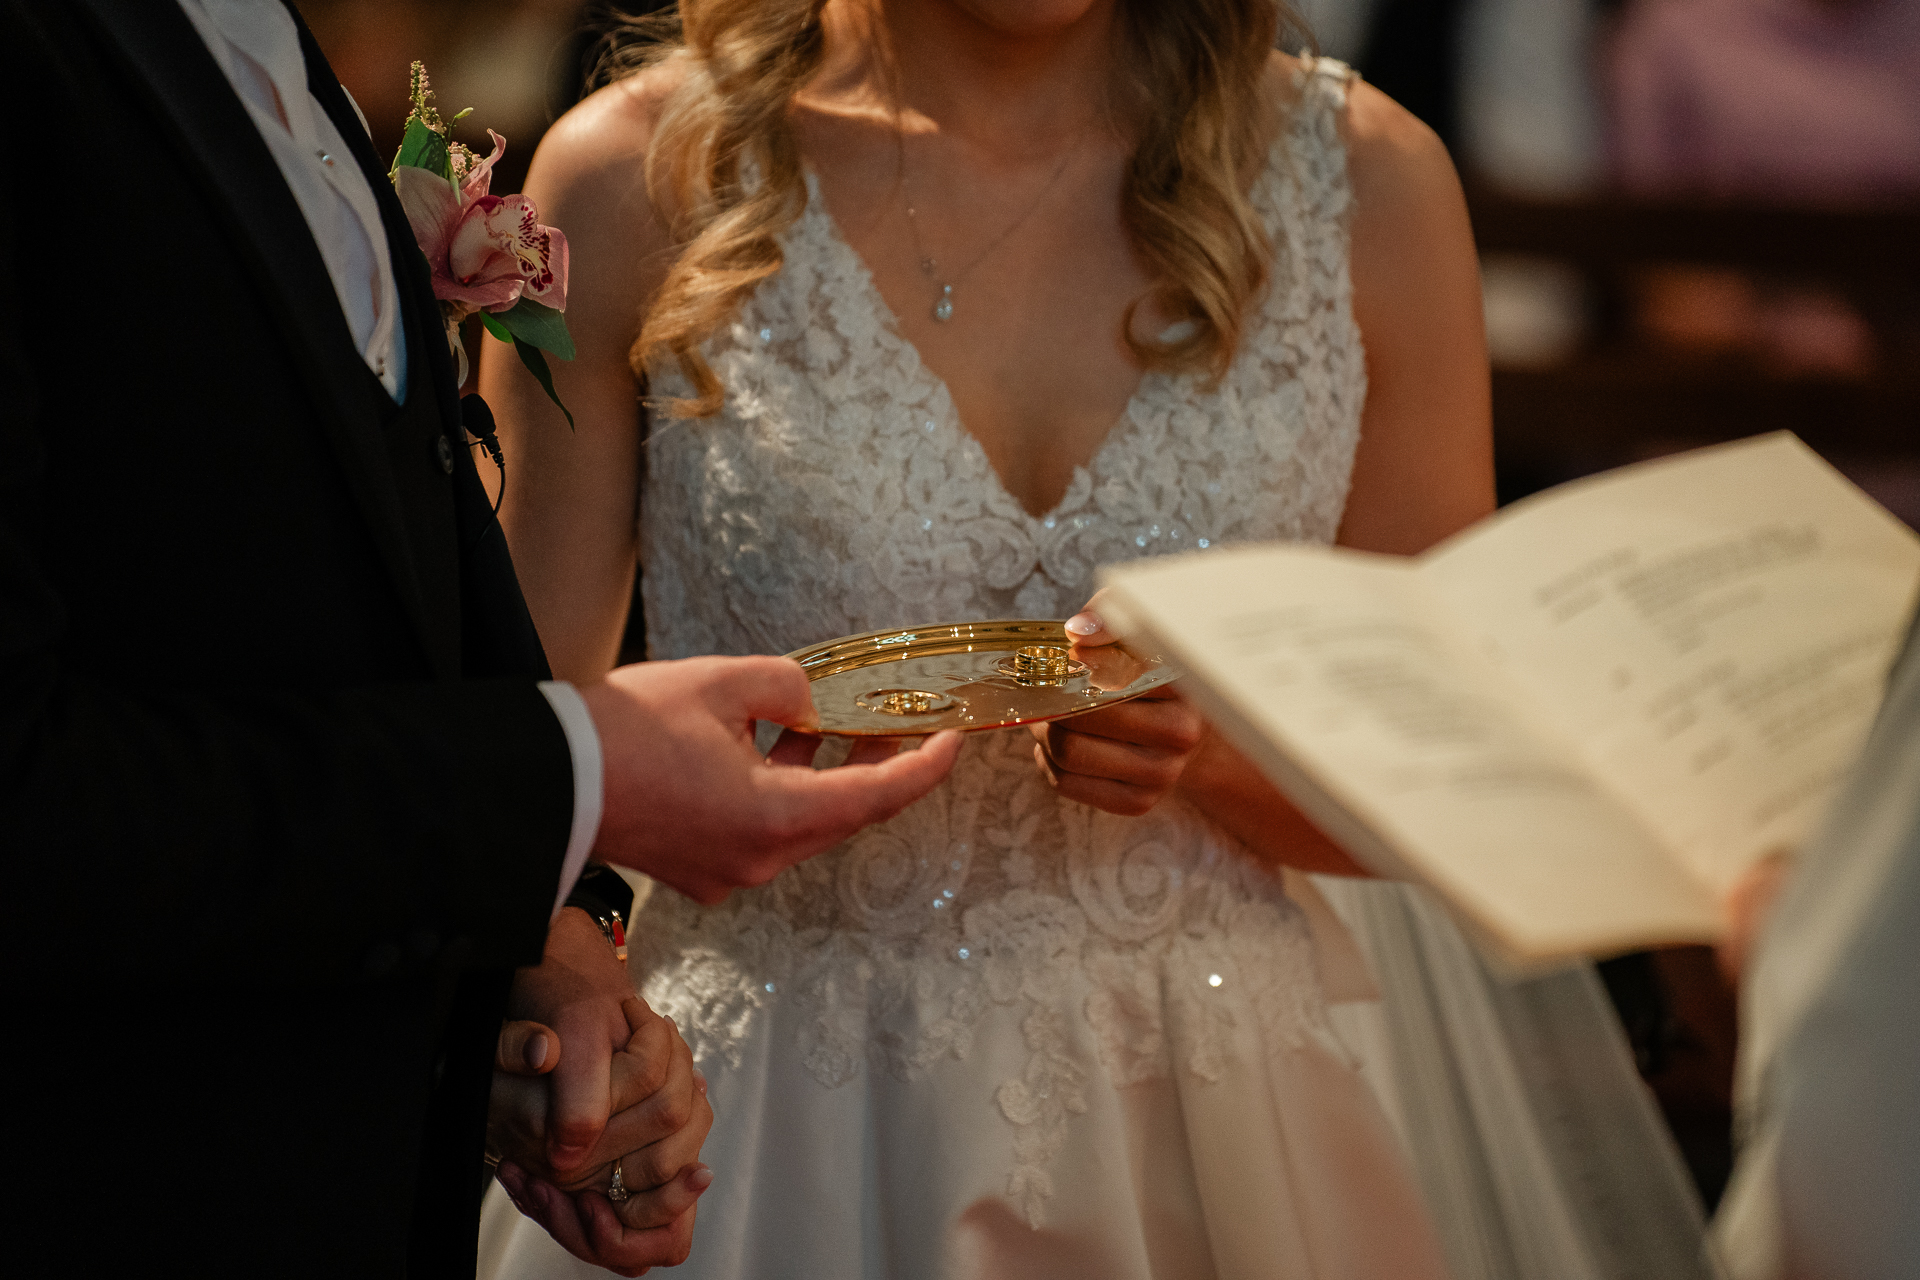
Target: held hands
[(689, 800), (589, 1082), (587, 1076), (1122, 758)]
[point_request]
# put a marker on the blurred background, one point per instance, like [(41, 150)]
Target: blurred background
[(1698, 220)]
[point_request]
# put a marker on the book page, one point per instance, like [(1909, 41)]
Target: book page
[(1712, 631), (1333, 671)]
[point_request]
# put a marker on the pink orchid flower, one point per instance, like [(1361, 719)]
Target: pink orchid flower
[(486, 252)]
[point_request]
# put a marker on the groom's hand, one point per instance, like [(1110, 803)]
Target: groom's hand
[(653, 1229), (654, 1225), (688, 799), (616, 1079), (582, 1045)]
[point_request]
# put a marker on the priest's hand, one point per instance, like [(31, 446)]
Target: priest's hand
[(1748, 905), (688, 799)]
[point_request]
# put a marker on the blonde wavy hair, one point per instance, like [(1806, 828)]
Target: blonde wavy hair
[(1190, 82)]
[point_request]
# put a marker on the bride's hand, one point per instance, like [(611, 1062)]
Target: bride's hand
[(664, 1180), (1107, 764), (651, 1228), (610, 1058), (1122, 758), (585, 1075), (660, 1111)]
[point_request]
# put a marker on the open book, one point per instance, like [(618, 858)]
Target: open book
[(1577, 721)]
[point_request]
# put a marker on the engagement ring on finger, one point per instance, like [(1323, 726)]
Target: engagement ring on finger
[(617, 1190)]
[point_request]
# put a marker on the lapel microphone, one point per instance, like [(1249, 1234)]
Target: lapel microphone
[(476, 415)]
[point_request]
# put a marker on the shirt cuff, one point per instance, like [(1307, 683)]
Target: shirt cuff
[(583, 744)]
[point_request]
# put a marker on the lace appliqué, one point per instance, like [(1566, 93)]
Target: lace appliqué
[(838, 492), (1152, 933)]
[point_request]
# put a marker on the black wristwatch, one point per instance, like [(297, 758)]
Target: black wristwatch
[(602, 894)]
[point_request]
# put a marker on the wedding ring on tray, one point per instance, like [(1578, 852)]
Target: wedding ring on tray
[(1034, 665), (968, 675)]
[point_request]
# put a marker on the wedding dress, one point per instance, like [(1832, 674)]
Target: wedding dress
[(1008, 1035)]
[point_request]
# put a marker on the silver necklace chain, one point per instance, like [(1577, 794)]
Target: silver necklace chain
[(930, 267)]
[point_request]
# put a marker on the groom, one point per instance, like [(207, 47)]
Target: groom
[(284, 800)]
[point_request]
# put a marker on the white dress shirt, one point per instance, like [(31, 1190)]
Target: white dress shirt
[(258, 47)]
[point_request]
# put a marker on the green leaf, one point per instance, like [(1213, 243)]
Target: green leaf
[(493, 326), (536, 364), (538, 326), (423, 148)]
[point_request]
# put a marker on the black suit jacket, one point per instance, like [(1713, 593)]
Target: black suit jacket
[(281, 807)]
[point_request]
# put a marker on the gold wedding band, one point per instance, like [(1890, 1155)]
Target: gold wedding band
[(617, 1190)]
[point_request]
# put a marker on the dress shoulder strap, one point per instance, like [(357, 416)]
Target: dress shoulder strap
[(1305, 197), (1335, 71), (1323, 84)]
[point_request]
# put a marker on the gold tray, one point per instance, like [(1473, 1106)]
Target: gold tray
[(968, 675)]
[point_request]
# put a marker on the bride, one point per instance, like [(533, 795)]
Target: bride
[(937, 305)]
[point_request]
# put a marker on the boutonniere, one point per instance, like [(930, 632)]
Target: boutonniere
[(489, 255)]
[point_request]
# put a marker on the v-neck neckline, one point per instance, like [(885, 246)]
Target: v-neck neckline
[(1151, 380)]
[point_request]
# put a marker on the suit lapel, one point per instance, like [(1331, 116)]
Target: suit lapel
[(498, 636), (410, 273), (164, 55)]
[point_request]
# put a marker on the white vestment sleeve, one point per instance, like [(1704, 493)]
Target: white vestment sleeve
[(1829, 1164)]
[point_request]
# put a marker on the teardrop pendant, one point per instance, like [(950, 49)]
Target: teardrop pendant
[(943, 309)]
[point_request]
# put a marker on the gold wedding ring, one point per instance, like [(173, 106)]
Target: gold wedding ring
[(617, 1190), (906, 702), (1041, 660), (1041, 666)]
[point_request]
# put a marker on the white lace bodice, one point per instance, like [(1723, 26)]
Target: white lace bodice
[(837, 492)]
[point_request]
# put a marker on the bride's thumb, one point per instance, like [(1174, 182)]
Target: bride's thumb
[(1087, 626), (526, 1049)]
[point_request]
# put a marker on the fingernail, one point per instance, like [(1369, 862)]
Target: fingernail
[(536, 1052), (1045, 762), (702, 1178), (699, 1079), (1084, 624), (567, 1156)]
